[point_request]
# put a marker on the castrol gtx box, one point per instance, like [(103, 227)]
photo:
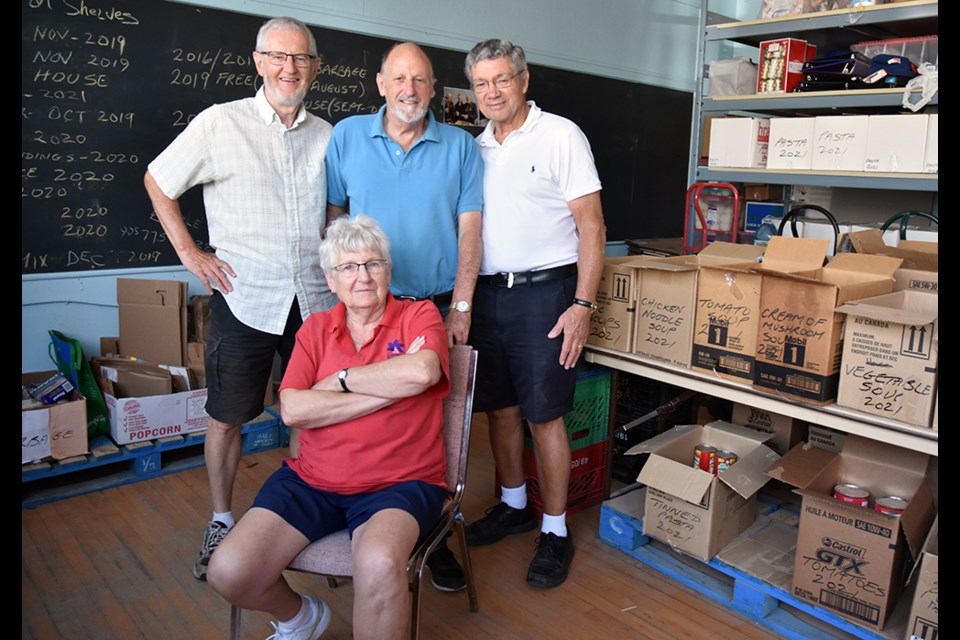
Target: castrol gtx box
[(699, 510), (851, 557)]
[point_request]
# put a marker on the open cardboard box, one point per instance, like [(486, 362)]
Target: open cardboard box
[(851, 559), (890, 356), (667, 299), (920, 268), (55, 431), (924, 620), (146, 401), (692, 510), (800, 337)]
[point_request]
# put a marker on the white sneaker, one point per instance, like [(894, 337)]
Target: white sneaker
[(313, 629)]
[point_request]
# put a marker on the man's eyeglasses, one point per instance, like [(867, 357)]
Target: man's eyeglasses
[(373, 267), (279, 58), (501, 82)]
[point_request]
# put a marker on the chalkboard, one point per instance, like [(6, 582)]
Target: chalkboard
[(107, 85)]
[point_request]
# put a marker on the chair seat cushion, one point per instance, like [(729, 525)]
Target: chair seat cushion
[(330, 555)]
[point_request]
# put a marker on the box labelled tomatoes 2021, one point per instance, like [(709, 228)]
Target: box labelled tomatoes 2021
[(852, 559), (890, 356), (800, 340), (692, 510)]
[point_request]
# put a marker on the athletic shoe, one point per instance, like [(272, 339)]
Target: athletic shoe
[(551, 562), (313, 629), (446, 574), (501, 520), (212, 537)]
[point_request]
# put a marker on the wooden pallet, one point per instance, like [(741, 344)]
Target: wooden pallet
[(767, 604), (109, 465)]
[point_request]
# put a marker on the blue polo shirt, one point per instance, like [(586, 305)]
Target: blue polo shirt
[(415, 196)]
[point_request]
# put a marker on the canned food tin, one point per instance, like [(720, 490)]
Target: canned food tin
[(890, 505), (705, 458), (725, 458), (852, 494)]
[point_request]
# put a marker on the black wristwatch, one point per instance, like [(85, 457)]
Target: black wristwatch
[(342, 377), (586, 303)]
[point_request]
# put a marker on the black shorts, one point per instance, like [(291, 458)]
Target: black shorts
[(316, 513), (239, 361), (517, 364)]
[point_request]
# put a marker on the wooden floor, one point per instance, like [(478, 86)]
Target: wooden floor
[(116, 565)]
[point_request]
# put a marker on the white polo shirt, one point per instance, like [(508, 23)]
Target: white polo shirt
[(527, 182)]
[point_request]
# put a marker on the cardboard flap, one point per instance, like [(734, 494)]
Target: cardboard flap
[(675, 478), (677, 263), (658, 441), (862, 263), (801, 465), (136, 384), (738, 431), (794, 254), (917, 519), (909, 308), (748, 474), (158, 293), (915, 255), (729, 252)]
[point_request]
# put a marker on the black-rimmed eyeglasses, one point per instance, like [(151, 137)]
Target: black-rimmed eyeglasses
[(279, 58), (373, 267)]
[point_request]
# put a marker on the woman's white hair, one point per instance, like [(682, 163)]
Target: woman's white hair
[(352, 235)]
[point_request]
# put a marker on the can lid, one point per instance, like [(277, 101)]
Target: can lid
[(892, 501), (851, 491)]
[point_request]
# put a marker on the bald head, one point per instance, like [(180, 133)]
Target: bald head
[(406, 81), (405, 51)]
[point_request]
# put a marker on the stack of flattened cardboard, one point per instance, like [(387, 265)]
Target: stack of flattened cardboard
[(153, 320)]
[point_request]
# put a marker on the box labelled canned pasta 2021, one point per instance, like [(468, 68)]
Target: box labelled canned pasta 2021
[(693, 510), (851, 559)]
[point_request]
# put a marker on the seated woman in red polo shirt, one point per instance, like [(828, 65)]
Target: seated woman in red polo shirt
[(365, 384)]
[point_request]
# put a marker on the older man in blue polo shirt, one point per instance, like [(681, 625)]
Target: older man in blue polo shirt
[(423, 182)]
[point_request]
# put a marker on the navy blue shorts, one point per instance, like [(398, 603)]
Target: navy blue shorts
[(316, 513), (239, 361), (517, 364)]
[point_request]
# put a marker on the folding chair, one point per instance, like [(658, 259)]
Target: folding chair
[(331, 556)]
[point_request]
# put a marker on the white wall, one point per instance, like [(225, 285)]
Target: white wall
[(646, 41)]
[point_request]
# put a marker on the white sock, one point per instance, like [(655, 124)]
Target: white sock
[(226, 518), (302, 618), (516, 497), (556, 525)]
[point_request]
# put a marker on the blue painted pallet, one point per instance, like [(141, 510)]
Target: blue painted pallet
[(750, 596), (108, 465)]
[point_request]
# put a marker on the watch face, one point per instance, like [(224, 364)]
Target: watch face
[(463, 306)]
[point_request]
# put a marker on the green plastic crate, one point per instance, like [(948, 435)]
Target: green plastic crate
[(588, 423)]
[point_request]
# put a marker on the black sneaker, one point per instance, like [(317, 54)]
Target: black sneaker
[(551, 562), (446, 574), (501, 520), (212, 537)]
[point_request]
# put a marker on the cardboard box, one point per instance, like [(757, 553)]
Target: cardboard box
[(791, 143), (611, 325), (931, 151), (198, 318), (919, 270), (55, 431), (727, 313), (781, 64), (924, 620), (762, 191), (840, 143), (889, 356), (739, 142), (800, 337), (153, 320), (851, 559), (895, 143), (694, 511), (785, 431), (667, 299), (138, 412)]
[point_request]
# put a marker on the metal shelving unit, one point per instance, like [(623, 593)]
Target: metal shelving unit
[(829, 30)]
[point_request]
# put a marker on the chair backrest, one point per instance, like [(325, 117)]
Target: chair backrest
[(457, 416)]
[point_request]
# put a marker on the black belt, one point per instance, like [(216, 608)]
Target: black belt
[(526, 278), (439, 299)]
